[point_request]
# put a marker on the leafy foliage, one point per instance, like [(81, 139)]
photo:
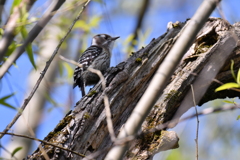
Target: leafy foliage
[(4, 103), (24, 20), (87, 26), (16, 150), (15, 3), (231, 84), (238, 117)]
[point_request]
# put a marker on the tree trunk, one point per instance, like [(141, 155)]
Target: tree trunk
[(84, 129)]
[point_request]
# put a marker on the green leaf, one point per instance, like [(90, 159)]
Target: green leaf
[(28, 47), (230, 102), (227, 86), (68, 69), (128, 39), (1, 32), (15, 4), (238, 77), (83, 25), (238, 117), (232, 71), (16, 150), (94, 21), (3, 99), (12, 48)]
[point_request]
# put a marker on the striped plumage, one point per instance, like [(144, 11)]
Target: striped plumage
[(97, 56)]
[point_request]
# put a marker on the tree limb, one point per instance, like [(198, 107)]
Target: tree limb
[(85, 130)]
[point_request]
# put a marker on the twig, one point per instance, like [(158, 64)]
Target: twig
[(106, 104), (45, 142), (43, 72), (44, 153), (35, 20), (142, 13), (173, 123), (195, 106), (220, 11), (31, 36), (106, 101), (207, 111), (162, 75), (234, 89), (164, 126), (12, 90)]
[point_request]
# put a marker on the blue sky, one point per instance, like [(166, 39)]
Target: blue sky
[(120, 22)]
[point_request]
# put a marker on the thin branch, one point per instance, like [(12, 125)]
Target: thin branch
[(195, 106), (162, 76), (43, 152), (164, 126), (234, 89), (207, 111), (45, 142), (106, 100), (220, 11), (141, 15), (31, 36), (43, 72), (10, 86), (106, 104), (173, 123), (30, 130), (35, 20)]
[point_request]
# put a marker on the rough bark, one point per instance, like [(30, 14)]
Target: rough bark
[(84, 129)]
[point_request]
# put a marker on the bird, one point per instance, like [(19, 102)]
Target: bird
[(97, 56)]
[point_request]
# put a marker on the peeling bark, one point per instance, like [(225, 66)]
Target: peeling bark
[(85, 130)]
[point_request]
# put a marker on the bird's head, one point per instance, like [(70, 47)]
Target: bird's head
[(104, 41)]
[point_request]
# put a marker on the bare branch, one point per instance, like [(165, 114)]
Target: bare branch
[(195, 106), (172, 123), (142, 13), (43, 72), (163, 126), (162, 75), (106, 104), (45, 142)]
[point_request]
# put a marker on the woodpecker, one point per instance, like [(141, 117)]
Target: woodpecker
[(97, 56)]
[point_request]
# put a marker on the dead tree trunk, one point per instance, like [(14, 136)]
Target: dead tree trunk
[(84, 129)]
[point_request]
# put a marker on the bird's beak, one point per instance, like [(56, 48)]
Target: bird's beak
[(114, 38)]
